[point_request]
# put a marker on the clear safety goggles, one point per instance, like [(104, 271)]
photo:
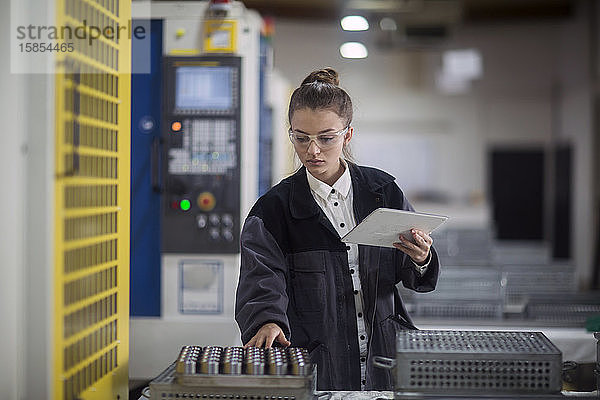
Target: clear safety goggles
[(323, 140)]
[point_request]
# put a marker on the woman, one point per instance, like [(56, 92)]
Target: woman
[(299, 284)]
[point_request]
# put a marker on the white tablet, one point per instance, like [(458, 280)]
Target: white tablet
[(382, 226)]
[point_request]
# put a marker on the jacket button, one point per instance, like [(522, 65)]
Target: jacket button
[(352, 271), (377, 199)]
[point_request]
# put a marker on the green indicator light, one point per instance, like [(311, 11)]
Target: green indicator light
[(185, 205)]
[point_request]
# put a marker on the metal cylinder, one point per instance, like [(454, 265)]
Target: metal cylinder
[(299, 361), (277, 359), (188, 358), (255, 361), (210, 361), (233, 360)]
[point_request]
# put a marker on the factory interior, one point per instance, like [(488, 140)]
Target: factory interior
[(132, 162)]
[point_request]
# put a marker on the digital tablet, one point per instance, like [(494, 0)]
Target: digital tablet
[(382, 227)]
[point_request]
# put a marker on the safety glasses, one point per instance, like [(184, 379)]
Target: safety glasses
[(324, 140)]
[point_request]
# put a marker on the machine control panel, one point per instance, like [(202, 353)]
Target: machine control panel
[(201, 148)]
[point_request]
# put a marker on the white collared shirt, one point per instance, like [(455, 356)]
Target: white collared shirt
[(337, 203)]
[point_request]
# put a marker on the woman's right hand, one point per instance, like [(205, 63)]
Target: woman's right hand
[(266, 335)]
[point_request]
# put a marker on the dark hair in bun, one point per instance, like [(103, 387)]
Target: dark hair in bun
[(320, 91), (325, 75)]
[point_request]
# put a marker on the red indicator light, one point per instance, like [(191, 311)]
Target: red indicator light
[(176, 126)]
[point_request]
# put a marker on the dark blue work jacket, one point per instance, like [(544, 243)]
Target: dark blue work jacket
[(294, 272)]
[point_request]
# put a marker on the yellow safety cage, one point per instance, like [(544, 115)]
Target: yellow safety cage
[(91, 213)]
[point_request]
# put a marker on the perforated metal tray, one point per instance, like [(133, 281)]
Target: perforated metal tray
[(526, 282), (211, 373), (240, 387), (462, 293), (572, 310), (458, 309), (477, 362)]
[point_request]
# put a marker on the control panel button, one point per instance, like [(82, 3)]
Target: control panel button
[(227, 235), (206, 201), (176, 126), (227, 220), (146, 124), (214, 233), (201, 221), (214, 219)]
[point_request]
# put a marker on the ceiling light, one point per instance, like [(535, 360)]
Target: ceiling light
[(388, 24), (465, 64), (354, 23), (459, 68), (353, 50)]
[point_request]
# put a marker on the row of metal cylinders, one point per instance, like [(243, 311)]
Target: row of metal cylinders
[(215, 360)]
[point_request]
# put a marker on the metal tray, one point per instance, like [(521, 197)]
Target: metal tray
[(475, 362)]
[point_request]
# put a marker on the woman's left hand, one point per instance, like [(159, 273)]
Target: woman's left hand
[(419, 250)]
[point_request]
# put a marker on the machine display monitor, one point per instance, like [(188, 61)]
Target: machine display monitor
[(203, 88)]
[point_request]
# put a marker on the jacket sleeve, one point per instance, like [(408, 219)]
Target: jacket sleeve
[(412, 279), (405, 268), (261, 293)]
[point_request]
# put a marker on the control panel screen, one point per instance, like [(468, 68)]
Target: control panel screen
[(203, 88)]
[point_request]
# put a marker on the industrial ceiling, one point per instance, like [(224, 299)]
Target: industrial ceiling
[(469, 10)]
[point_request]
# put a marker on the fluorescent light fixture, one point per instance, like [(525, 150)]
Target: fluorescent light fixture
[(354, 23), (388, 24), (353, 50), (463, 64), (459, 69)]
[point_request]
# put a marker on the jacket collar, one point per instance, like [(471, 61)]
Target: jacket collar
[(303, 205), (370, 179), (367, 184)]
